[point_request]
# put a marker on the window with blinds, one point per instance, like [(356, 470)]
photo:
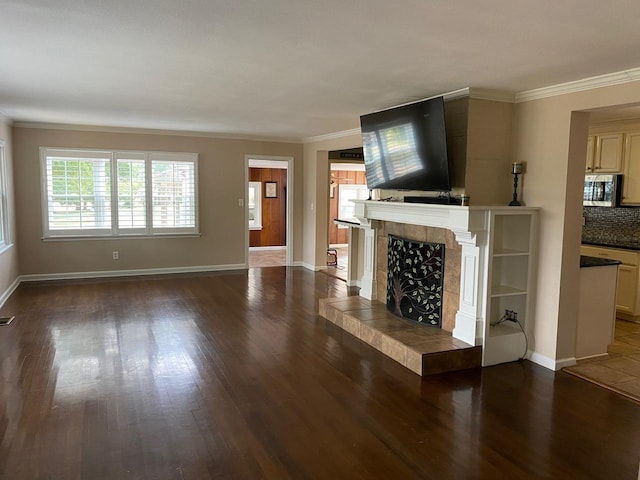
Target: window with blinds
[(5, 237), (151, 193), (173, 192), (132, 191)]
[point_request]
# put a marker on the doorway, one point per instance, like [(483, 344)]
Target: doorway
[(619, 369), (346, 182), (269, 211)]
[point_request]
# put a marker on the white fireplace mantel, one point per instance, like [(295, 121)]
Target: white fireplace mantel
[(465, 222), (472, 226)]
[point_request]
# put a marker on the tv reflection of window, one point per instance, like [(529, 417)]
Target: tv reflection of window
[(399, 145), (373, 157)]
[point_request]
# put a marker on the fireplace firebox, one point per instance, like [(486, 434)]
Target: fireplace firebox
[(415, 277)]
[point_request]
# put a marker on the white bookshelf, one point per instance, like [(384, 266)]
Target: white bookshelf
[(510, 261)]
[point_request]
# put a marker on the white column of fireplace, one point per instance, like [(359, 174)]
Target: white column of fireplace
[(469, 227)]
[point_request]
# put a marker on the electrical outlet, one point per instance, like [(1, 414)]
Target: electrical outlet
[(116, 256), (511, 315)]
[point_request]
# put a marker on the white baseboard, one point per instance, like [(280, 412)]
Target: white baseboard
[(129, 273), (314, 268), (588, 357), (7, 293), (298, 264), (353, 283), (550, 363), (262, 249)]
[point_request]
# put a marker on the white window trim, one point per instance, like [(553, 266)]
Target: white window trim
[(257, 186), (5, 218), (115, 232)]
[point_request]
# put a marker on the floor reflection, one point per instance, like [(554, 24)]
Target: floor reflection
[(234, 375)]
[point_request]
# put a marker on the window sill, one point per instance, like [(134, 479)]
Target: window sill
[(75, 238), (5, 248)]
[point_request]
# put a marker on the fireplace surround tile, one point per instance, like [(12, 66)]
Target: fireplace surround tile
[(416, 233), (452, 263), (421, 349), (394, 349), (370, 336)]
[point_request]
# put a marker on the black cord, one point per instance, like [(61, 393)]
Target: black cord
[(504, 318), (526, 340)]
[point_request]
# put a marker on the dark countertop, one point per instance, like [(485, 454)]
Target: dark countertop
[(626, 244), (586, 261)]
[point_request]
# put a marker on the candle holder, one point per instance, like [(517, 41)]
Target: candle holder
[(516, 169)]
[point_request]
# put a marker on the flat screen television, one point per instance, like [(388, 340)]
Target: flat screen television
[(405, 148)]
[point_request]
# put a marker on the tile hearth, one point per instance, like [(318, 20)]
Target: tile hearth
[(423, 350)]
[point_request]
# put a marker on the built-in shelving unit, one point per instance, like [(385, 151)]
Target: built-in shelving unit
[(510, 260)]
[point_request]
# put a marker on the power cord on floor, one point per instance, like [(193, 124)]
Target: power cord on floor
[(526, 340), (506, 317)]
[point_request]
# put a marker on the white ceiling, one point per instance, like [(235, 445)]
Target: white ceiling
[(290, 68)]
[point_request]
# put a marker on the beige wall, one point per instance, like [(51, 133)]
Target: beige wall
[(316, 196), (552, 140), (9, 258), (488, 180), (222, 221)]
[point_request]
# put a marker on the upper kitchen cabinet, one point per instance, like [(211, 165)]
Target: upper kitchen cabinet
[(591, 147), (631, 180), (604, 153)]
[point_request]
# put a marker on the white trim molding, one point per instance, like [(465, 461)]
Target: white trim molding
[(9, 291), (550, 363), (313, 268), (609, 79), (40, 277), (153, 131), (331, 136)]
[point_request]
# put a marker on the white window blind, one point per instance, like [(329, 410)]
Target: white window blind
[(153, 193), (132, 196), (173, 192), (254, 204), (78, 191), (5, 239)]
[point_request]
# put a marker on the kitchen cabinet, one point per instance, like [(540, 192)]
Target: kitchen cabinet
[(606, 155), (596, 310), (627, 288), (631, 161), (627, 298), (591, 147)]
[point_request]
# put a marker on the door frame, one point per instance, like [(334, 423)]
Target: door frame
[(289, 230)]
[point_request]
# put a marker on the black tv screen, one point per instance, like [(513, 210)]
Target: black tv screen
[(405, 148)]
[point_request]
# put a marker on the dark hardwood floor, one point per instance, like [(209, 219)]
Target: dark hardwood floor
[(233, 375)]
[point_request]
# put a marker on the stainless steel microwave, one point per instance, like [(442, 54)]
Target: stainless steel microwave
[(602, 190)]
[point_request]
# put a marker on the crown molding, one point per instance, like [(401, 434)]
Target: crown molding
[(493, 95), (151, 131), (467, 92), (331, 136), (609, 79), (4, 117)]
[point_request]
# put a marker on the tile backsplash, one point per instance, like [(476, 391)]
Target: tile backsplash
[(611, 224)]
